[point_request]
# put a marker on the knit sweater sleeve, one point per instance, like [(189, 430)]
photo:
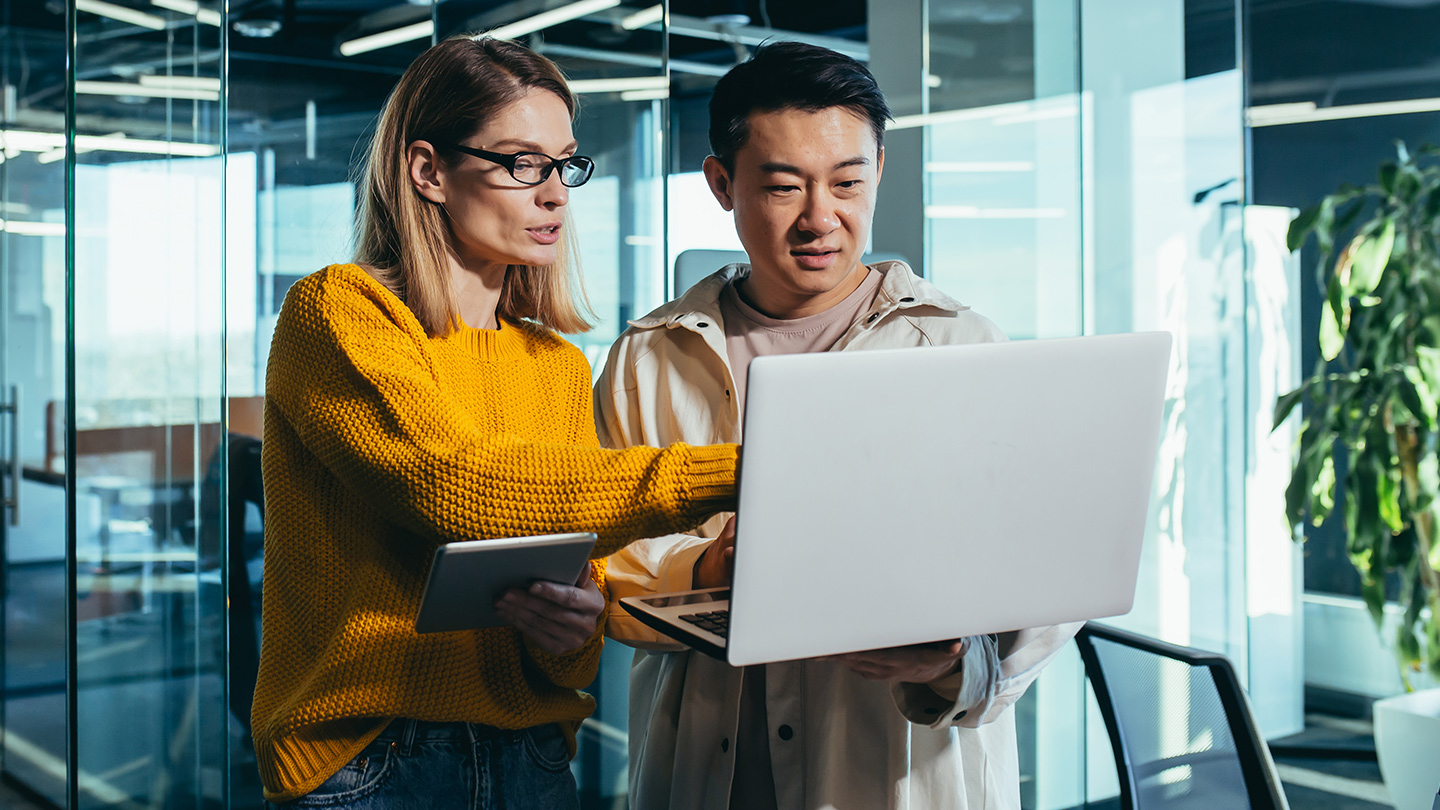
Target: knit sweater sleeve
[(350, 373)]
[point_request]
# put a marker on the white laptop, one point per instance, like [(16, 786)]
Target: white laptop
[(909, 496)]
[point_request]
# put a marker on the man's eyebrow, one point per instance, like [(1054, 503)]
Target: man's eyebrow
[(772, 167), (528, 146)]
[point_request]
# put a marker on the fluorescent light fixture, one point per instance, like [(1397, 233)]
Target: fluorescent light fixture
[(955, 116), (545, 19), (32, 228), (143, 90), (640, 19), (635, 240), (931, 80), (1016, 112), (628, 84), (121, 13), (182, 82), (1306, 112), (47, 143), (979, 166), (112, 143), (192, 8), (1040, 114), (52, 156), (384, 39), (645, 95), (974, 212)]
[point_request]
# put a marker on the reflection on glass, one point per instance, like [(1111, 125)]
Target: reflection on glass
[(148, 402)]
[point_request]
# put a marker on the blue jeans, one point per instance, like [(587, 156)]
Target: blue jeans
[(453, 766)]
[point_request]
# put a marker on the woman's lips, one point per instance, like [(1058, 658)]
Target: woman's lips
[(545, 234)]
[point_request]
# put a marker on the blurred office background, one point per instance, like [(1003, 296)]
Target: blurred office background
[(168, 168)]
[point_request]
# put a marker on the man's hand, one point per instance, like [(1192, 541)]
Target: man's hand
[(558, 618), (921, 663), (717, 564)]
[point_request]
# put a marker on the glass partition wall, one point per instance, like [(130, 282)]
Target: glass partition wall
[(171, 167)]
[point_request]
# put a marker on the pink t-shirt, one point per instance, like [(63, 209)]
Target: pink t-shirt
[(750, 333)]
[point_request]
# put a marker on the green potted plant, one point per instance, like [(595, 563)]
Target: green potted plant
[(1372, 396), (1371, 427)]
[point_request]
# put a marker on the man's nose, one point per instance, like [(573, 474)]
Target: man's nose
[(820, 216)]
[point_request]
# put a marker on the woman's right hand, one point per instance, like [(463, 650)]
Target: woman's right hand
[(717, 564)]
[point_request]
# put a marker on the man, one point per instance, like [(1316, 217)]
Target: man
[(797, 138)]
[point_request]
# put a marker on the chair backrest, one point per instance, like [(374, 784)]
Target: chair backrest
[(1179, 723)]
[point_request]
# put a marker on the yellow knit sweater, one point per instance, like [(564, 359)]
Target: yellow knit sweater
[(380, 444)]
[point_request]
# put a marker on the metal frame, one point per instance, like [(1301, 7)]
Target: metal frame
[(1261, 783)]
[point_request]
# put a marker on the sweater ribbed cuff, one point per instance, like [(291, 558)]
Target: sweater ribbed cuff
[(712, 478)]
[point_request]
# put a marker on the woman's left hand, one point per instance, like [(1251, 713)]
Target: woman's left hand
[(558, 618)]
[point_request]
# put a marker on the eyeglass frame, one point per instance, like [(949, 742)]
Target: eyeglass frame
[(509, 161)]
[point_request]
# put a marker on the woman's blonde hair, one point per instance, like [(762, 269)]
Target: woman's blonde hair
[(446, 96)]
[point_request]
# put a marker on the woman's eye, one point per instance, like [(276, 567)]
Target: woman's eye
[(526, 164)]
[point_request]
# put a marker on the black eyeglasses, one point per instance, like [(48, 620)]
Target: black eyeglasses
[(534, 168)]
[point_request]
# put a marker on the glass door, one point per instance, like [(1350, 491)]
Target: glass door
[(33, 627), (148, 414)]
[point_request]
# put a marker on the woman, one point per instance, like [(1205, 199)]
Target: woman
[(418, 397)]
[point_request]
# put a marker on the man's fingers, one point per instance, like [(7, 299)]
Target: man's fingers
[(585, 576)]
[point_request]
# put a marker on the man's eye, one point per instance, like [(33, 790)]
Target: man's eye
[(850, 183), (783, 188)]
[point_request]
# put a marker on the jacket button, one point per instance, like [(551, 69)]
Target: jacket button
[(725, 745), (702, 324), (961, 715), (785, 732), (872, 317), (907, 299)]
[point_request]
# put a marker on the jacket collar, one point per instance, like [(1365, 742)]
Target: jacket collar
[(900, 289)]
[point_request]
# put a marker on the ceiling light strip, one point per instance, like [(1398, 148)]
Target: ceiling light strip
[(190, 8), (121, 13), (621, 85), (546, 19), (384, 39), (85, 88), (640, 19), (1306, 112)]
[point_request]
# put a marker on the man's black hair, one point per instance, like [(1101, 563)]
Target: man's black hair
[(790, 76)]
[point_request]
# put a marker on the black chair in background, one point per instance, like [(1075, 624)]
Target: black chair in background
[(1179, 723)]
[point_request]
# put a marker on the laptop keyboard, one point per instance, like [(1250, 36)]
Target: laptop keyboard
[(717, 622)]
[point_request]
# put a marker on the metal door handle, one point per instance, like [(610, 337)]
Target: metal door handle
[(13, 408)]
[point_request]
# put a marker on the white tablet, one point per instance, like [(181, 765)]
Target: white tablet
[(467, 577)]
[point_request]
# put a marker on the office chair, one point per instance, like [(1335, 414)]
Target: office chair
[(1179, 724)]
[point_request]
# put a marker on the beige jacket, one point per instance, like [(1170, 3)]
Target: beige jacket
[(850, 743)]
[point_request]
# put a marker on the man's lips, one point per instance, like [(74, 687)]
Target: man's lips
[(815, 259)]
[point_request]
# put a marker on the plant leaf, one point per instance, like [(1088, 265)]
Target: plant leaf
[(1388, 173), (1322, 501), (1369, 258), (1285, 404), (1301, 226), (1334, 319), (1372, 590), (1417, 396), (1388, 492)]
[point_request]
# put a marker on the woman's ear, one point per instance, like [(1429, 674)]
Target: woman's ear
[(426, 172)]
